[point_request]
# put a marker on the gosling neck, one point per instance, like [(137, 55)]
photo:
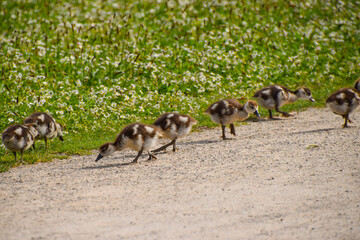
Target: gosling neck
[(292, 97), (242, 113)]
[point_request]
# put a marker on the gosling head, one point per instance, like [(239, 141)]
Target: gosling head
[(251, 107), (32, 129), (105, 150), (357, 85), (304, 93)]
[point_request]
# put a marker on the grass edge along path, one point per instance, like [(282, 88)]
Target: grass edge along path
[(96, 66)]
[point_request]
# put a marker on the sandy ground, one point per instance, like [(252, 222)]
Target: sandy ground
[(295, 178)]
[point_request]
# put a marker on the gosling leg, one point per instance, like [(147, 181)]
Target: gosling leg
[(223, 132), (232, 129), (164, 147), (137, 157)]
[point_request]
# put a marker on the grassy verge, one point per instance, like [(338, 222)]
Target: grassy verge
[(99, 65)]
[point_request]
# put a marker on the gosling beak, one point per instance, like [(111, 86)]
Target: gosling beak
[(257, 113), (311, 99), (61, 138), (99, 157)]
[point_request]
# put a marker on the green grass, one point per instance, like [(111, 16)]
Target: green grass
[(99, 65)]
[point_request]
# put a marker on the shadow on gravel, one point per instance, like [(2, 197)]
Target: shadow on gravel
[(102, 164), (107, 166), (267, 119), (316, 130), (198, 142), (169, 149)]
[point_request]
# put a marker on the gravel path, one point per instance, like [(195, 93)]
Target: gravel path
[(296, 178)]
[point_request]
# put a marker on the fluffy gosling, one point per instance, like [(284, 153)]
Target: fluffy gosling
[(46, 126), (275, 96), (174, 126), (19, 137), (136, 136), (230, 110), (345, 101)]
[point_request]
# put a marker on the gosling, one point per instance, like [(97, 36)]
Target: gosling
[(174, 126), (275, 96), (230, 110), (46, 126), (345, 101), (136, 136), (19, 137)]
